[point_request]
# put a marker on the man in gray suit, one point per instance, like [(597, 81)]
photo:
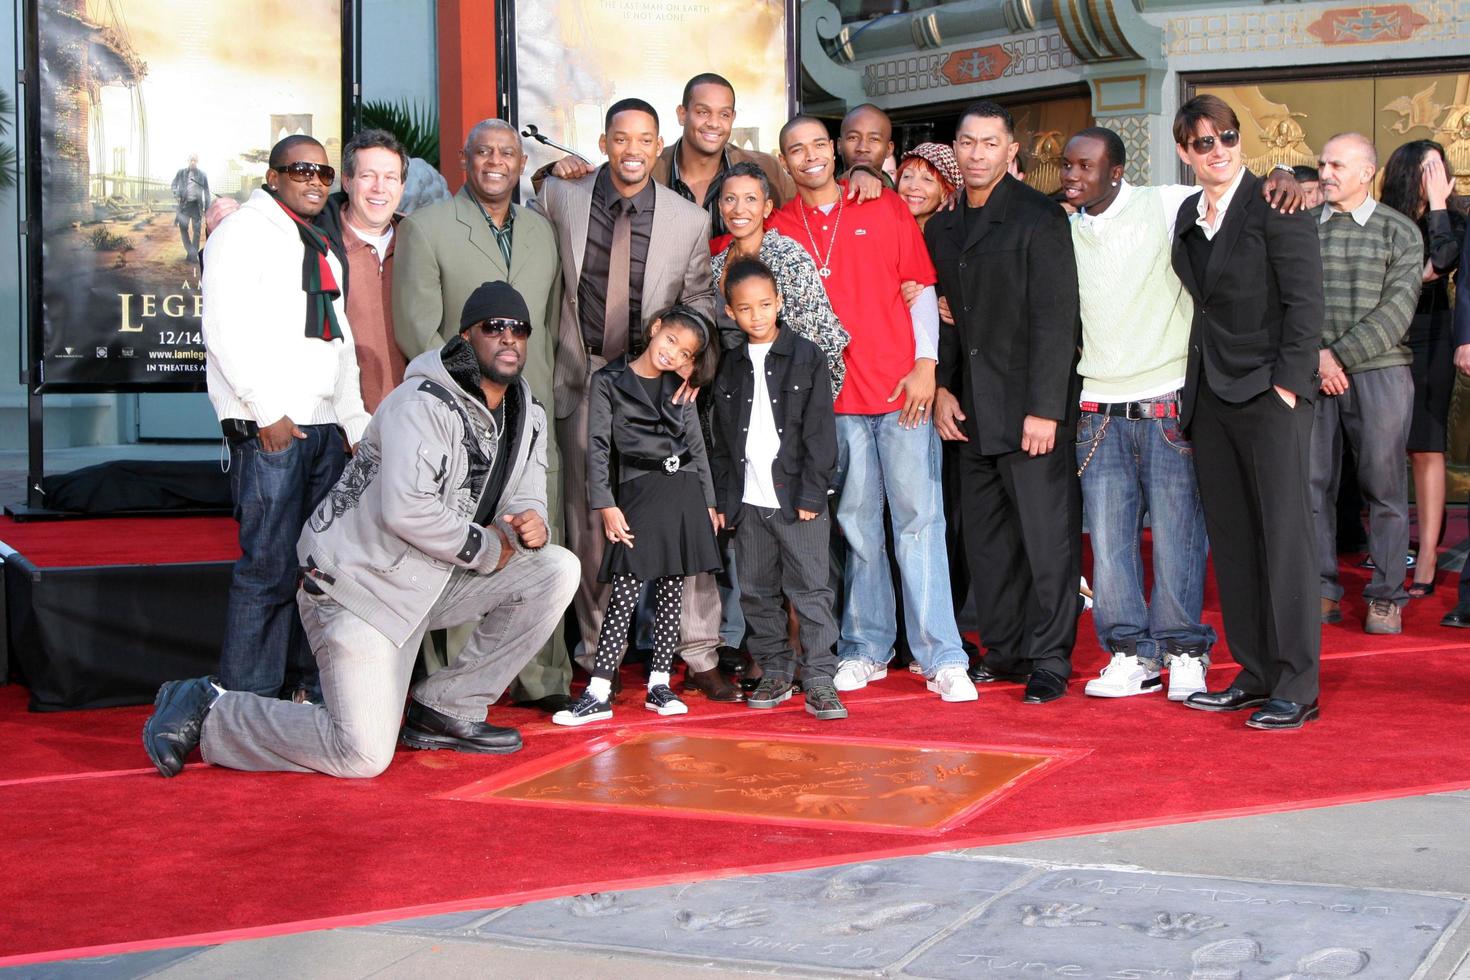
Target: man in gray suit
[(444, 252), (630, 247)]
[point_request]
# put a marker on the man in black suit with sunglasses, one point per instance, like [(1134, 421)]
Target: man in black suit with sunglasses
[(1256, 278)]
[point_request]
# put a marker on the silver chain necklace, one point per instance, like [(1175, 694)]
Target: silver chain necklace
[(824, 268)]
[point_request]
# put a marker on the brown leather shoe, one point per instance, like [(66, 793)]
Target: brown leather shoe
[(1331, 611), (1384, 618), (712, 684)]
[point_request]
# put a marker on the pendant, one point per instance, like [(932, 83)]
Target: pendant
[(825, 272)]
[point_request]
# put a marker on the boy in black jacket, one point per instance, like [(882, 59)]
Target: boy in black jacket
[(773, 457)]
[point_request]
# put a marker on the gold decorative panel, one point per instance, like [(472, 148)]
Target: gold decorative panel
[(1289, 121), (1042, 129)]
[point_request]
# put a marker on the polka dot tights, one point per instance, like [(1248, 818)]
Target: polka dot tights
[(667, 593)]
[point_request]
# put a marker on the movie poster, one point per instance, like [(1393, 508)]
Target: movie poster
[(149, 110), (574, 58)]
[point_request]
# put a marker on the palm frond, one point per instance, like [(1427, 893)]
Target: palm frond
[(415, 126), (9, 159), (8, 163)]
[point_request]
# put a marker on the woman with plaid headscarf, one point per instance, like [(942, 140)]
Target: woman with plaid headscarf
[(927, 177)]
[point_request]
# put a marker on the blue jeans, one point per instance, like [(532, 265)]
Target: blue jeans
[(876, 458), (1138, 467), (265, 649)]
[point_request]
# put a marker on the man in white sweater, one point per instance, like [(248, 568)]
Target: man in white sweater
[(282, 376), (1134, 458)]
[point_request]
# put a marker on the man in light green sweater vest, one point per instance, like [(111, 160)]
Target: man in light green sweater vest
[(1372, 260), (1134, 458)]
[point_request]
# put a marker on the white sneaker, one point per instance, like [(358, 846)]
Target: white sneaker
[(1123, 677), (854, 674), (915, 667), (952, 684), (1186, 676)]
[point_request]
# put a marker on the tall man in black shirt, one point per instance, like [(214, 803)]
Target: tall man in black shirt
[(1007, 394), (696, 162), (629, 248)]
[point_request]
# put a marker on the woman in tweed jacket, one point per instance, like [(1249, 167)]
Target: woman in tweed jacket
[(745, 203)]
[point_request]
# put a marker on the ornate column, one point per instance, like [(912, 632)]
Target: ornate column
[(1126, 98), (1125, 69), (822, 30)]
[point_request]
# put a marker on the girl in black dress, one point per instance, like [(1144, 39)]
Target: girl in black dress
[(1416, 183), (647, 474)]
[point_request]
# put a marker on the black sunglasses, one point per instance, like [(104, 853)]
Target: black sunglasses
[(302, 172), (1204, 144), (495, 326)]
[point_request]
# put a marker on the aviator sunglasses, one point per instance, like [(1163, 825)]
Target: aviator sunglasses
[(1204, 144), (302, 172), (495, 326)]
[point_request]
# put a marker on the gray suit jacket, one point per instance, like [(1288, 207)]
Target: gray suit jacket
[(387, 537), (677, 271), (445, 251)]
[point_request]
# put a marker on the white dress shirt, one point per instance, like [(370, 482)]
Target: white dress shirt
[(1220, 208)]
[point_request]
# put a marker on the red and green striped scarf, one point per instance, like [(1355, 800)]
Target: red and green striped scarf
[(317, 280)]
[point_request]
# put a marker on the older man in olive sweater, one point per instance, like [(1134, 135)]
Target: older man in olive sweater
[(1372, 258)]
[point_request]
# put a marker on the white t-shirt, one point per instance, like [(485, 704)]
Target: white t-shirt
[(762, 442), (378, 242)]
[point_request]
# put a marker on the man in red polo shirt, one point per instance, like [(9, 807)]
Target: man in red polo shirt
[(886, 447)]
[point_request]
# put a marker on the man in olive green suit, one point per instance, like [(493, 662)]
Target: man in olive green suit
[(444, 252)]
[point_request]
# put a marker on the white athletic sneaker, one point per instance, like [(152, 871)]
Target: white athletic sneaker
[(952, 684), (854, 674), (1123, 677), (1186, 676)]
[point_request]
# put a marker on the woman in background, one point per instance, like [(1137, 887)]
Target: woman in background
[(1417, 184)]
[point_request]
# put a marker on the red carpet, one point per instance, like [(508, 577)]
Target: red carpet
[(123, 540), (106, 860)]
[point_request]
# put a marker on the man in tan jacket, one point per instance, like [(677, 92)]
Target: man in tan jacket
[(616, 216)]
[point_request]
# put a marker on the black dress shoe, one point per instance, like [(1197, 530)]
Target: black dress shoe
[(732, 660), (551, 703), (1458, 617), (1044, 686), (426, 728), (173, 730), (981, 674), (1277, 715), (1230, 699)]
